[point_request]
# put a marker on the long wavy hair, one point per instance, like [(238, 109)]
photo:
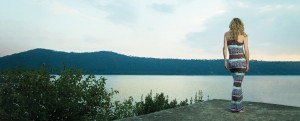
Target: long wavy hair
[(236, 28)]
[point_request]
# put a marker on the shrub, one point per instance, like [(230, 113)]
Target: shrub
[(36, 95)]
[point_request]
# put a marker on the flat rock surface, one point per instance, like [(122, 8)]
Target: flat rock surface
[(218, 110)]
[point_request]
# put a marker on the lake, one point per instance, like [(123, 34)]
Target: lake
[(269, 89)]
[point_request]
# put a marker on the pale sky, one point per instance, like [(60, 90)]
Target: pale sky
[(185, 29)]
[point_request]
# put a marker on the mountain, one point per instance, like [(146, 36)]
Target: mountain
[(107, 62)]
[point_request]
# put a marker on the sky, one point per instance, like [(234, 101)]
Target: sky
[(184, 29)]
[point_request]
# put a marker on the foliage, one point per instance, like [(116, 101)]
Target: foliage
[(37, 95), (125, 109), (198, 96), (158, 102)]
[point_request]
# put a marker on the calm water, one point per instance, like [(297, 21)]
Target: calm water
[(270, 89)]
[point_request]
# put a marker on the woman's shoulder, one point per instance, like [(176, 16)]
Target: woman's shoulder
[(227, 33)]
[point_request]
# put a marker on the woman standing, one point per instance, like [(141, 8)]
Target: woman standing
[(236, 40)]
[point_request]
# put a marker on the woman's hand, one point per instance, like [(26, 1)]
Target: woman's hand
[(247, 67), (225, 65)]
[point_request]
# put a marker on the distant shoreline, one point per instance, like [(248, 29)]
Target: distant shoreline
[(111, 63)]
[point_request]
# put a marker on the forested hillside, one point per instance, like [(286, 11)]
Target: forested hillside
[(106, 62)]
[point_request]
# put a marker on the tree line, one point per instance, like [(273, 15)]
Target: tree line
[(105, 62)]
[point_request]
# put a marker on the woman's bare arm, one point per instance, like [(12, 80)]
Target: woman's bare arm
[(246, 51), (225, 51)]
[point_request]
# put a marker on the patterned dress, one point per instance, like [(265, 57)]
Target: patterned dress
[(237, 66)]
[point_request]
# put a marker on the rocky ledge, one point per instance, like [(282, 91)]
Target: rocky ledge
[(218, 110)]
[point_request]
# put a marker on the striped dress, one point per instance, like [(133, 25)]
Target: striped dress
[(237, 66)]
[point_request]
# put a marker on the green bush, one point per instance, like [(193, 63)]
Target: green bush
[(158, 102), (125, 109), (36, 95)]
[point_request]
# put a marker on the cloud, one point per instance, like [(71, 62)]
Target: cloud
[(278, 8), (271, 32), (156, 28), (164, 8), (120, 12), (65, 8), (210, 40)]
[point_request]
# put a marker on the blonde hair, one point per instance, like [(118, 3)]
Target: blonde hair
[(236, 28)]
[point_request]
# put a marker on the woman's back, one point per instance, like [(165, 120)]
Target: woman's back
[(240, 38)]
